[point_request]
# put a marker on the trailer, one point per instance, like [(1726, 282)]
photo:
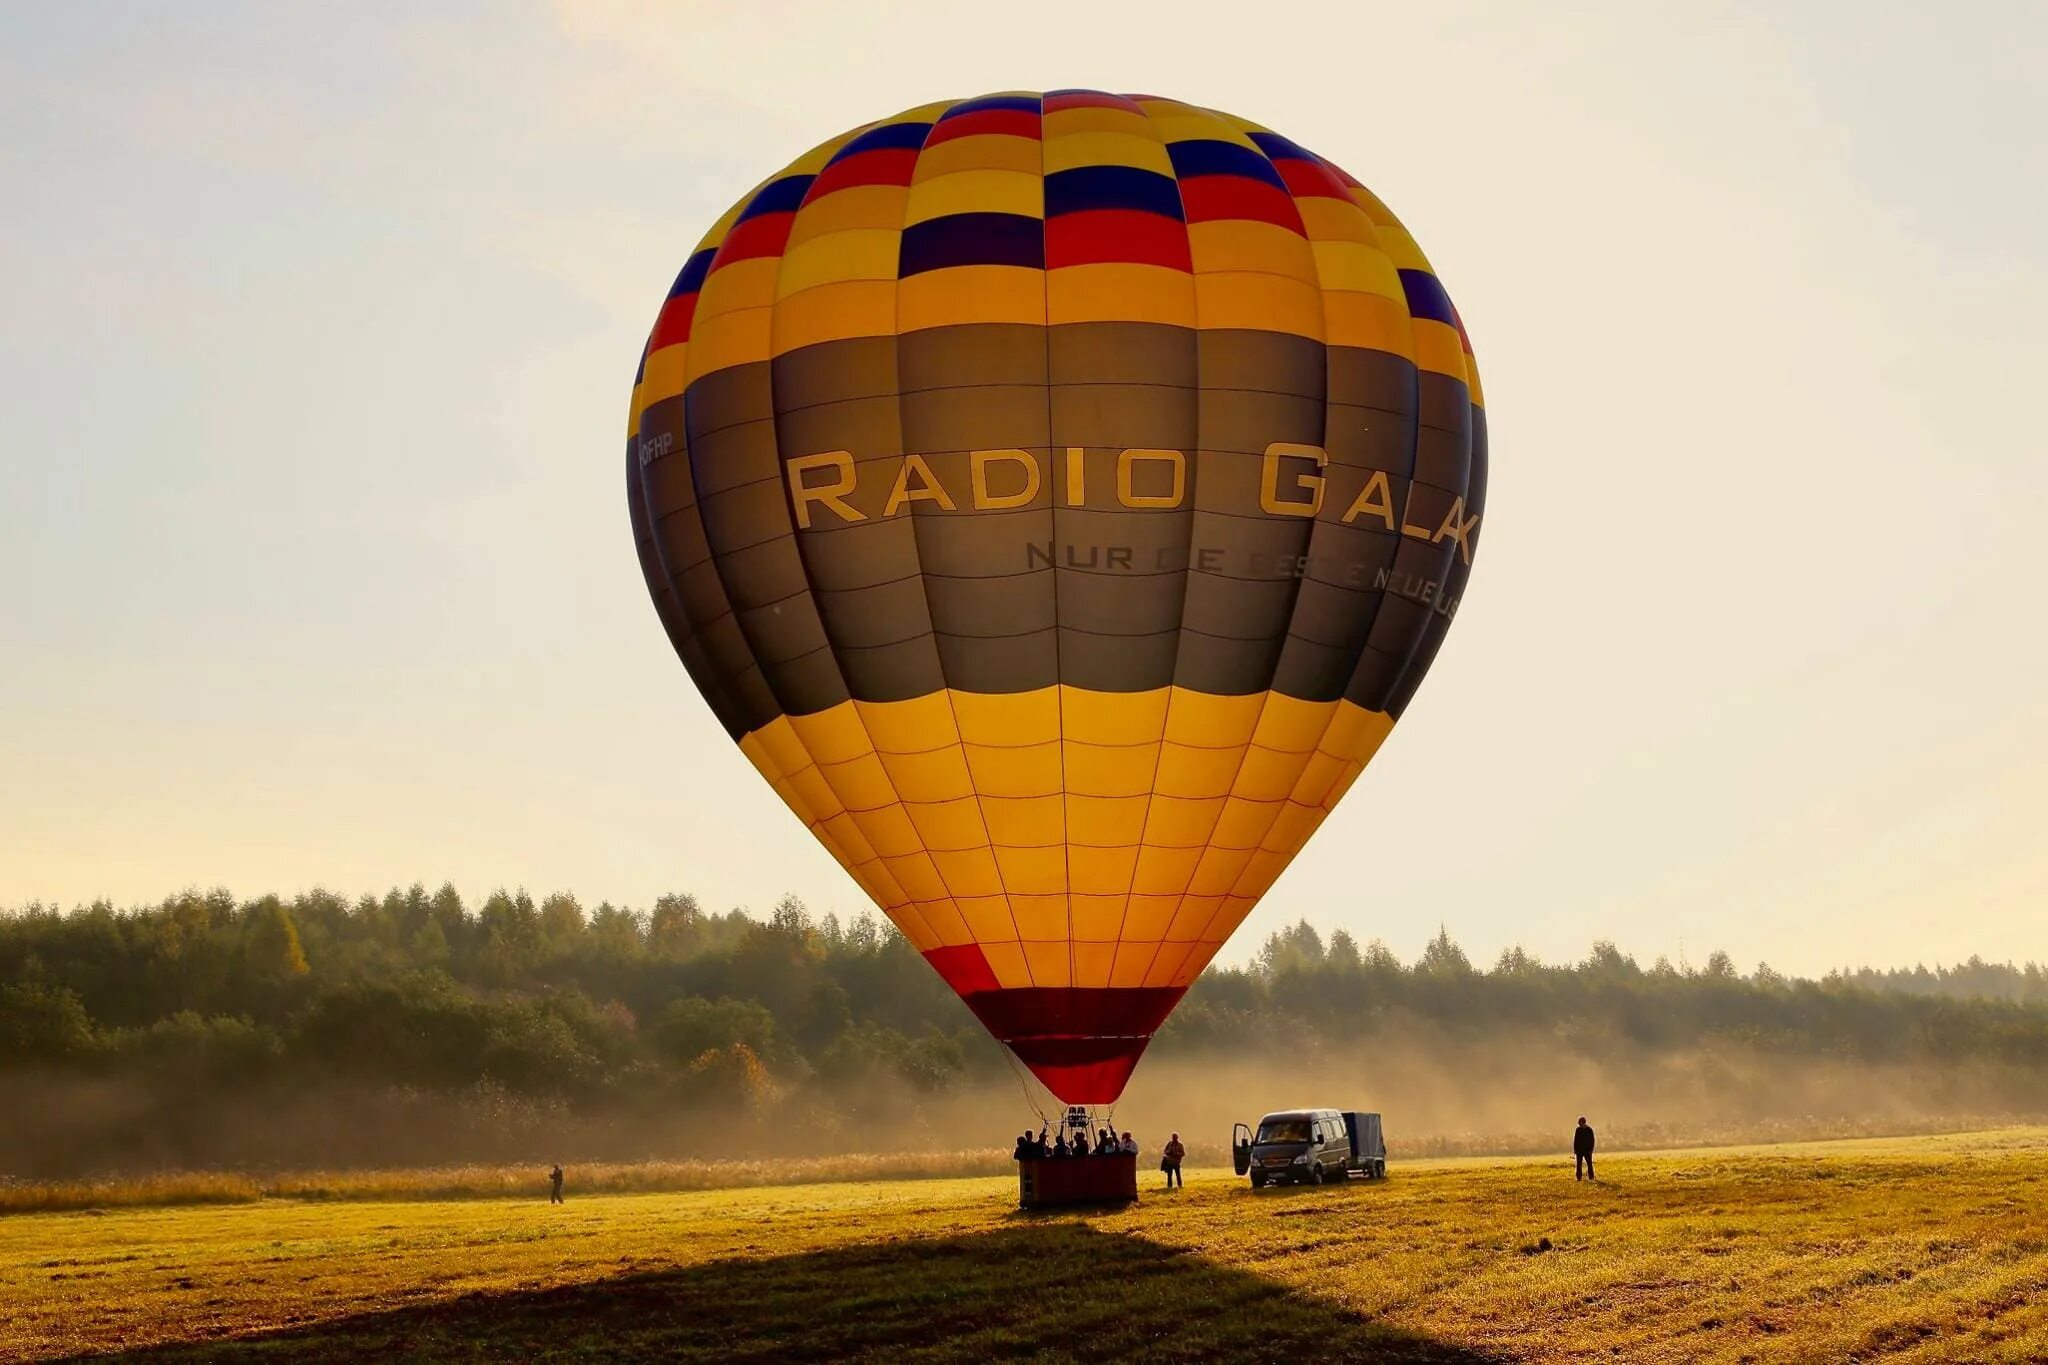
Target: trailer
[(1368, 1145)]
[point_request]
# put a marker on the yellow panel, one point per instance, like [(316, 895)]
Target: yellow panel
[(1088, 119), (1368, 321), (1359, 267), (916, 875), (1113, 717), (1147, 917), (1356, 733), (1064, 151), (1226, 919), (978, 191), (815, 792), (834, 312), (736, 287), (865, 254), (1242, 244), (890, 831), (939, 775), (1290, 725), (855, 207), (1165, 968), (735, 339), (1196, 718), (1048, 963), (988, 917), (1041, 918), (663, 376), (779, 741), (1024, 822), (881, 883), (1092, 962), (1029, 872), (1439, 348), (1267, 776), (1105, 821), (1033, 771), (1190, 967), (1312, 788), (1218, 872), (846, 835), (914, 928), (1006, 960), (1097, 918), (969, 873), (833, 736), (1396, 242), (1182, 123), (1291, 828), (1334, 220), (970, 293), (1175, 822), (1244, 823), (1166, 871), (981, 152), (1102, 871), (1109, 770), (1132, 960), (795, 801), (1184, 771), (1009, 719), (1118, 292), (950, 825), (945, 920), (1266, 303), (909, 727), (860, 782), (1342, 785)]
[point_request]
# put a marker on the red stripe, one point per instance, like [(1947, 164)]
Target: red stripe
[(673, 325), (1312, 179), (763, 236), (1213, 198), (1090, 99), (965, 968), (1344, 175), (1116, 235), (1015, 122), (883, 166)]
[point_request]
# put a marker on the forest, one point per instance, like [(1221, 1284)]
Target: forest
[(413, 1025)]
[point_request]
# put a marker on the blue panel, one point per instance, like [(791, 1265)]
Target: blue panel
[(1027, 104), (691, 278), (777, 196), (1111, 187), (1203, 157), (1426, 298), (900, 136), (1280, 148), (972, 239)]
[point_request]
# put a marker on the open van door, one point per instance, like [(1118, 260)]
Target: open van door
[(1241, 1147)]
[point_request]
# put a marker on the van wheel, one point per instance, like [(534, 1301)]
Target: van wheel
[(1379, 1170), (1315, 1175), (1258, 1181)]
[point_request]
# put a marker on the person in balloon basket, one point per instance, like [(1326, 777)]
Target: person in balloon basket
[(555, 1184), (1170, 1158), (1129, 1145), (1059, 1147), (1582, 1151), (1023, 1152)]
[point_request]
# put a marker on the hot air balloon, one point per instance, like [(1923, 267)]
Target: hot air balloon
[(1058, 498)]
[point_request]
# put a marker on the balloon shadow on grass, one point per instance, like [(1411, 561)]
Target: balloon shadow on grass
[(1060, 1291)]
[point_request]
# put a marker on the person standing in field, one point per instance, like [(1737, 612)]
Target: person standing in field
[(1170, 1159), (1582, 1151), (555, 1184)]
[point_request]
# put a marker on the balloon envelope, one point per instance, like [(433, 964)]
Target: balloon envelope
[(1058, 497)]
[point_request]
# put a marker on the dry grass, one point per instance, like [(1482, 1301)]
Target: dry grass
[(1924, 1250)]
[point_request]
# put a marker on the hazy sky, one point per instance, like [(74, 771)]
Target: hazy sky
[(318, 322)]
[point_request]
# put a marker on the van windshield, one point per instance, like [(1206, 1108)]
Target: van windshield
[(1284, 1130)]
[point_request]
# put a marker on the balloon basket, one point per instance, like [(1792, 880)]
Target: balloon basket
[(1077, 1181)]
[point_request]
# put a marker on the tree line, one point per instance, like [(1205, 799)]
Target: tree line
[(677, 1005)]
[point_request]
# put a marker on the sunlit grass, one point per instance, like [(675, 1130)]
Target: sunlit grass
[(1921, 1250)]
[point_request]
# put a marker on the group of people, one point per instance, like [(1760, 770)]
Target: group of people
[(1106, 1143)]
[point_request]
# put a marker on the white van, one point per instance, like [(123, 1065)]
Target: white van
[(1310, 1146)]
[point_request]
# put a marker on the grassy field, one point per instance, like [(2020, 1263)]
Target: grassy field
[(1919, 1249)]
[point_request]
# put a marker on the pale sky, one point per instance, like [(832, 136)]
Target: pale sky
[(318, 323)]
